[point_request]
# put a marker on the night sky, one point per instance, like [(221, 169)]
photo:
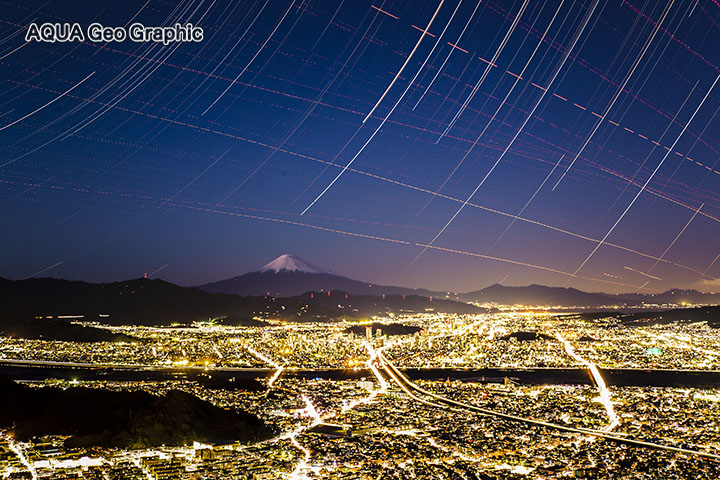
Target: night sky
[(560, 142)]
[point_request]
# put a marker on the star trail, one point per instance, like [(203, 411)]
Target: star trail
[(444, 144)]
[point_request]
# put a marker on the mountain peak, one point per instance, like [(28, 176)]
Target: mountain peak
[(291, 263)]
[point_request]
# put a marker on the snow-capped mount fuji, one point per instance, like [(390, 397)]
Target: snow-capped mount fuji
[(289, 275), (291, 263)]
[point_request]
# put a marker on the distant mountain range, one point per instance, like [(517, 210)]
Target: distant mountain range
[(538, 295), (287, 289), (156, 302), (138, 301), (709, 314), (289, 275)]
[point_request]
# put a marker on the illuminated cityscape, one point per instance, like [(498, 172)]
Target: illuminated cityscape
[(359, 239), (340, 410)]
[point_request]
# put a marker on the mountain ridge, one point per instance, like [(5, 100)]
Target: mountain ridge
[(541, 295), (287, 277), (239, 299), (157, 302)]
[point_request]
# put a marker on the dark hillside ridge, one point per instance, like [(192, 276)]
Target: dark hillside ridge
[(104, 418), (156, 302)]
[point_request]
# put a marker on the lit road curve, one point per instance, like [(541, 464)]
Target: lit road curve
[(599, 381)]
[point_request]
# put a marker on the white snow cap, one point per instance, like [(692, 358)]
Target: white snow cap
[(291, 263)]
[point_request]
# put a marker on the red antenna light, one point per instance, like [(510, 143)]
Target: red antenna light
[(431, 299), (312, 295), (328, 293), (383, 296), (346, 295), (145, 274)]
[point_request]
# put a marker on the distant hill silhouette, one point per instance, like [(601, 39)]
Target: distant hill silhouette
[(98, 417), (539, 295), (673, 296), (684, 315), (138, 301), (156, 302), (709, 314), (29, 328)]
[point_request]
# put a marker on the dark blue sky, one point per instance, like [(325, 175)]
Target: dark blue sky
[(124, 158)]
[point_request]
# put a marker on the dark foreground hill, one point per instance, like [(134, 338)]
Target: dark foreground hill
[(96, 417), (156, 302)]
